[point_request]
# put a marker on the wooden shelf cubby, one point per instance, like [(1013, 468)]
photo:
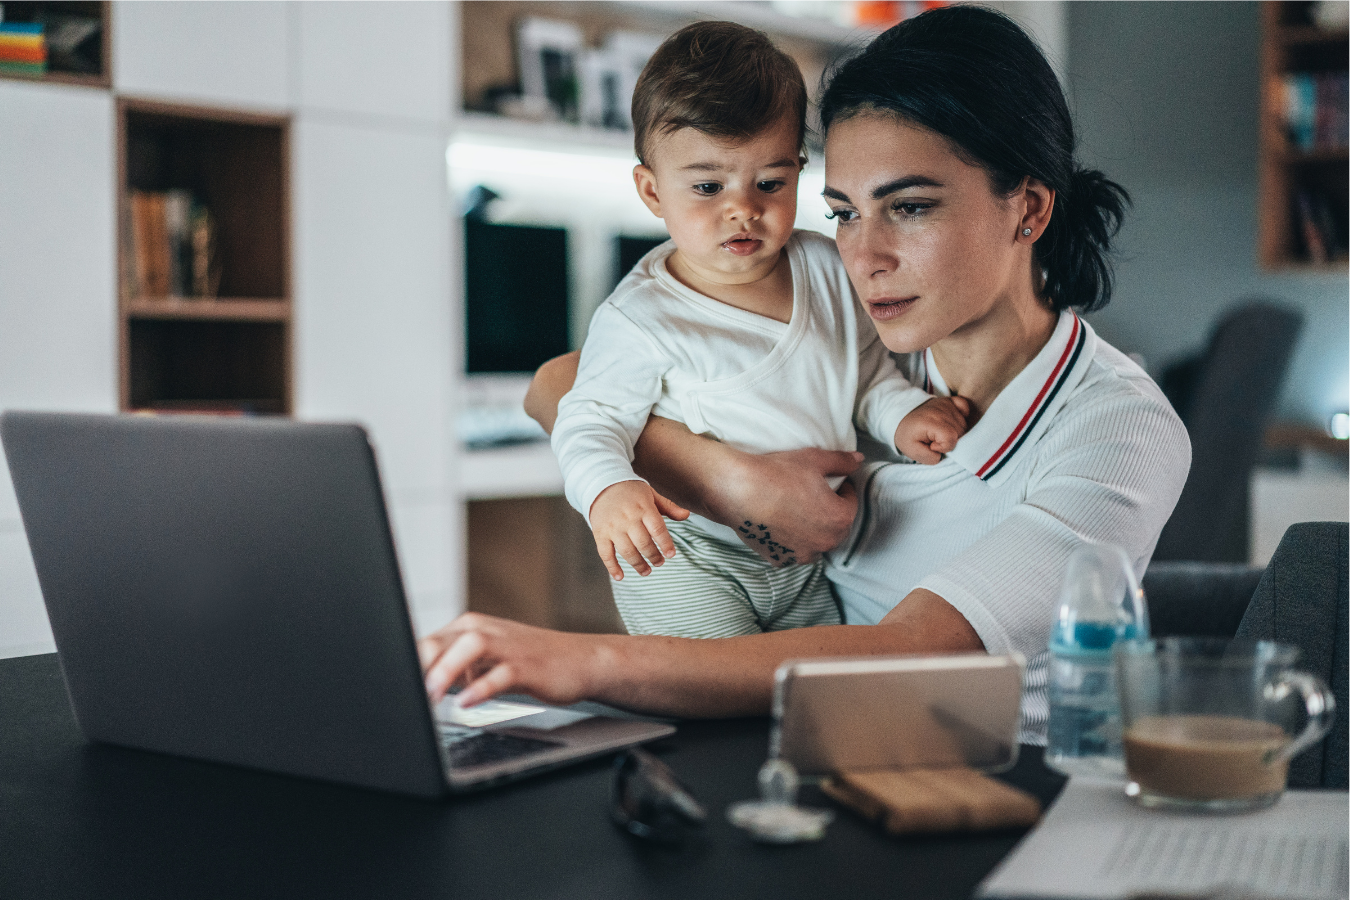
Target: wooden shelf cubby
[(91, 67), (488, 60), (1290, 43), (231, 352)]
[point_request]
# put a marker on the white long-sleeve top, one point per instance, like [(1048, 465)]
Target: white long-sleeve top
[(760, 385)]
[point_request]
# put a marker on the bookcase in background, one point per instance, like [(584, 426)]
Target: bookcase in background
[(1303, 189), (230, 352), (75, 37)]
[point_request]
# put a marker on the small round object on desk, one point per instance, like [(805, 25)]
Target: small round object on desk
[(779, 823)]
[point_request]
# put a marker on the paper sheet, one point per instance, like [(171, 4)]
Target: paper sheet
[(489, 712), (1095, 844)]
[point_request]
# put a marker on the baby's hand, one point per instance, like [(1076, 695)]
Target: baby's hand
[(626, 520), (932, 429)]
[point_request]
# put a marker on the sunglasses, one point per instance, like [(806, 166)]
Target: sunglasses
[(649, 802)]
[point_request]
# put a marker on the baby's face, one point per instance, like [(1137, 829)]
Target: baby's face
[(728, 206)]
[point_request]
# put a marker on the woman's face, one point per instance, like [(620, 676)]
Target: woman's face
[(929, 247)]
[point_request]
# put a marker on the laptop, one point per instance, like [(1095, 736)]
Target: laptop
[(228, 589)]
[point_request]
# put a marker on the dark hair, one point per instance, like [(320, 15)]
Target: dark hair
[(719, 78), (972, 75)]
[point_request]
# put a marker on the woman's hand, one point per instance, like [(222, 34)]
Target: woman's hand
[(491, 656), (786, 495)]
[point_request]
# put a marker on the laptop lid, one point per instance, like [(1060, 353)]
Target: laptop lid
[(228, 590)]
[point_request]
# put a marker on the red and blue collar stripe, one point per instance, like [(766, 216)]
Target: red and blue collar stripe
[(1067, 360)]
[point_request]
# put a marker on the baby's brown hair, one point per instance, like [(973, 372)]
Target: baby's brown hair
[(719, 78)]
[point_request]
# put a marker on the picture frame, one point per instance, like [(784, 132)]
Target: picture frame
[(549, 53)]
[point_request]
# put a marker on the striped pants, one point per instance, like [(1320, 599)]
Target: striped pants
[(713, 589)]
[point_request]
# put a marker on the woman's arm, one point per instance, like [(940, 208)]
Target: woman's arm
[(786, 491), (547, 387), (664, 675)]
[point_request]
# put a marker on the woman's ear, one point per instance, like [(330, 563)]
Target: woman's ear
[(1038, 202), (645, 181)]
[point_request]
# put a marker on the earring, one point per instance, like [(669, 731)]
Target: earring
[(1026, 232)]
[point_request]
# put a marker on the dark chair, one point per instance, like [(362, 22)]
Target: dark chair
[(1302, 600), (1191, 599), (1225, 398), (1299, 599)]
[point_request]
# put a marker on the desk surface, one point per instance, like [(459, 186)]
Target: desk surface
[(89, 821)]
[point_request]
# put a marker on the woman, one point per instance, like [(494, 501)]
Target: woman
[(970, 237)]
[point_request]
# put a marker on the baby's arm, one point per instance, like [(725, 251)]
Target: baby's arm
[(888, 405), (618, 382), (932, 429)]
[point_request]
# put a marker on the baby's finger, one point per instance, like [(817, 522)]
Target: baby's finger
[(612, 566), (641, 537), (669, 508), (625, 548), (922, 454), (664, 544)]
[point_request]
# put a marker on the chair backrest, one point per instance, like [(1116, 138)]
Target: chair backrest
[(1225, 400), (1195, 599), (1302, 600)]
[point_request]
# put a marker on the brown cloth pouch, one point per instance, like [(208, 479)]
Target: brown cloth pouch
[(933, 801)]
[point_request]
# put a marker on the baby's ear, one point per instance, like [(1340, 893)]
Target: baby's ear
[(644, 179)]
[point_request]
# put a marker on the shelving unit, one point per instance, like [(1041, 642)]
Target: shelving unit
[(1290, 43), (99, 47), (489, 61), (228, 353)]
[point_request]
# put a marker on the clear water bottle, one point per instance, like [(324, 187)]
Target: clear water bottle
[(1101, 603)]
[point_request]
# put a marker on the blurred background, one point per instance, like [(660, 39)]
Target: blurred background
[(391, 212)]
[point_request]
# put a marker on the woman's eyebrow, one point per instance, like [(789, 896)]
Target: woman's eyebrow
[(890, 187)]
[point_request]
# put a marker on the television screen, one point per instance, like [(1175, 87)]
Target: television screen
[(515, 297)]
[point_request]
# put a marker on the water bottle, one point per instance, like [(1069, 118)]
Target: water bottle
[(1101, 603)]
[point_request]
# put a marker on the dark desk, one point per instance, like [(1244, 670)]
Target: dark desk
[(89, 821)]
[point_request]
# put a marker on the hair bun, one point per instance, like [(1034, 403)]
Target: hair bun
[(1076, 257)]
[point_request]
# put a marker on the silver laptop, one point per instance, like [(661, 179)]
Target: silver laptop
[(227, 589)]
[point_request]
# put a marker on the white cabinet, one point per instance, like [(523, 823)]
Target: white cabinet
[(58, 328), (219, 53), (376, 332), (376, 59)]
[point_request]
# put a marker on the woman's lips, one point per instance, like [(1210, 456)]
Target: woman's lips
[(743, 246), (886, 308)]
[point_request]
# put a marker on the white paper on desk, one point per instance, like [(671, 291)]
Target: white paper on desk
[(1095, 844)]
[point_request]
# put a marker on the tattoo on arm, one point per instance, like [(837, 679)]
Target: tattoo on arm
[(777, 552)]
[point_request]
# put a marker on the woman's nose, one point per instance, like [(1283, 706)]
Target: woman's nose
[(870, 250)]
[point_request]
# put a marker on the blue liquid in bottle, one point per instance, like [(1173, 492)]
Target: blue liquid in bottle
[(1100, 605)]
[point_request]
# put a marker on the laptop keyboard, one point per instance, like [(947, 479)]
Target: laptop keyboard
[(470, 747)]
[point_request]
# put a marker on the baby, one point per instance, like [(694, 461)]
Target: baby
[(741, 328)]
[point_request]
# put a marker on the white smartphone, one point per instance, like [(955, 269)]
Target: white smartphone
[(898, 712)]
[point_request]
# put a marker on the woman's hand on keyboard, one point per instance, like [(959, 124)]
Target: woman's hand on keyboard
[(488, 656)]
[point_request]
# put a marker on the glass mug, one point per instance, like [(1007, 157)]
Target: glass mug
[(1209, 724)]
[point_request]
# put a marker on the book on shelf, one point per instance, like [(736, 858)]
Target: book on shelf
[(23, 49), (1322, 241), (1313, 106), (172, 247)]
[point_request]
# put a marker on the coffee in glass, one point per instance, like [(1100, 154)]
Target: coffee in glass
[(1211, 724)]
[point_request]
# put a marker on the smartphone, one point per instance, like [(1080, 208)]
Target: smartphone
[(898, 712)]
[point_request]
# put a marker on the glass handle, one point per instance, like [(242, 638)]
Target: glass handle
[(1320, 703)]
